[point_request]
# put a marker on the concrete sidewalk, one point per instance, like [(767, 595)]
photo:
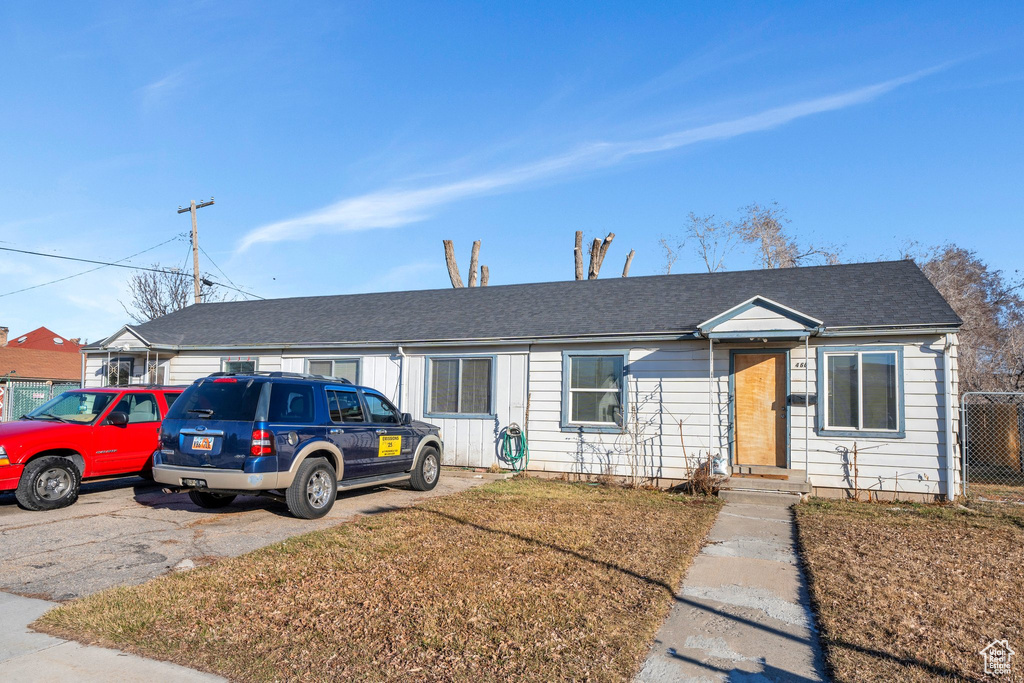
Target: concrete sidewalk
[(29, 656), (743, 612)]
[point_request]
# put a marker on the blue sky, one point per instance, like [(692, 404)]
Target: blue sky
[(343, 142)]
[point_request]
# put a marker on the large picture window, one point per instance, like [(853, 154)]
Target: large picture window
[(460, 386), (593, 390), (862, 390), (339, 368)]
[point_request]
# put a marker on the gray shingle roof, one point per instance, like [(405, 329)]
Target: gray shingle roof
[(862, 294)]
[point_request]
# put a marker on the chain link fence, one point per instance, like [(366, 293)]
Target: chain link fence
[(992, 434), (19, 398)]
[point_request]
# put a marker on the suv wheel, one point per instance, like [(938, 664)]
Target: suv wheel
[(211, 501), (48, 483), (427, 471), (313, 490)]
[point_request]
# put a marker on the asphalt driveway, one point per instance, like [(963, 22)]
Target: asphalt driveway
[(126, 531)]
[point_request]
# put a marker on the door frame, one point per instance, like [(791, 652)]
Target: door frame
[(732, 401)]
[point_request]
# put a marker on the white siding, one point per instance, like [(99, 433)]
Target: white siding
[(668, 409), (758, 319)]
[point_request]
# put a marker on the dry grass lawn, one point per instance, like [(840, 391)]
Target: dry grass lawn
[(524, 579), (911, 592)]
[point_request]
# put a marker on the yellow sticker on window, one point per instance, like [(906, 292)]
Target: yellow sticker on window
[(389, 445)]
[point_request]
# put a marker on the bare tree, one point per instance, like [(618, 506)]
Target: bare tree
[(453, 267), (712, 240), (765, 227), (598, 250), (991, 352), (671, 254), (629, 262), (154, 295)]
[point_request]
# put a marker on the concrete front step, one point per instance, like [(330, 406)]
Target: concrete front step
[(755, 484), (768, 498), (796, 475)]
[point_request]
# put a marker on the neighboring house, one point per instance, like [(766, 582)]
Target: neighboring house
[(765, 371), (30, 375), (41, 339)]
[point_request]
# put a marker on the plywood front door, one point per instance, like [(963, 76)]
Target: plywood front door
[(759, 383)]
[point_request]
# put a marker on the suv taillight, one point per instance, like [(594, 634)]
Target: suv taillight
[(262, 442)]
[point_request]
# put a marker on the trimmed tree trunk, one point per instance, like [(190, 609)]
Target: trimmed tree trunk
[(474, 259), (578, 254), (629, 262), (453, 267), (485, 275), (597, 253)]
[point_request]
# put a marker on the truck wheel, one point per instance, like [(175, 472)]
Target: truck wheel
[(313, 490), (427, 471), (211, 501), (48, 483)]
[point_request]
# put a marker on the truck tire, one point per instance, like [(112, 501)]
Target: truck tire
[(427, 471), (313, 490), (211, 501), (48, 483)]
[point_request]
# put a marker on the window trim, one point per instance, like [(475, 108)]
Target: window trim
[(334, 359), (236, 359), (429, 361), (566, 424), (821, 418)]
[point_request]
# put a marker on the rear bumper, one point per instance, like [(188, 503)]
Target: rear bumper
[(232, 480)]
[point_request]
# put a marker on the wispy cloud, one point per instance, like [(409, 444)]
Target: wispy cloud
[(401, 206), (154, 93)]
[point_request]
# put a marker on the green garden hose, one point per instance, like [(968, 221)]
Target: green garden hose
[(514, 449)]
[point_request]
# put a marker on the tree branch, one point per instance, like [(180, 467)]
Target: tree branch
[(474, 259), (453, 267)]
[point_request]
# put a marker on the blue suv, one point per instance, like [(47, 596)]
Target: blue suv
[(295, 438)]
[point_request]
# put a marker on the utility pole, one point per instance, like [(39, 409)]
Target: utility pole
[(195, 242)]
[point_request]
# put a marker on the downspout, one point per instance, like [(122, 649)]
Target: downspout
[(807, 407), (83, 369), (947, 373), (401, 378)]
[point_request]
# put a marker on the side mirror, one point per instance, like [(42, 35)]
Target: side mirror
[(117, 418), (407, 418)]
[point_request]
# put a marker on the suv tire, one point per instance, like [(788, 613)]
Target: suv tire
[(313, 490), (48, 483), (211, 501), (427, 471)]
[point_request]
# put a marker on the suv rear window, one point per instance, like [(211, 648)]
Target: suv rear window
[(218, 400), (291, 403)]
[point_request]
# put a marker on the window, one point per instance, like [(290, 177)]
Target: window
[(340, 368), (227, 399), (593, 390), (344, 406), (862, 390), (171, 398), (239, 366), (291, 403), (381, 411), (460, 386), (138, 407)]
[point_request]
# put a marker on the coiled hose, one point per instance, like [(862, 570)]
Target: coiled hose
[(514, 449)]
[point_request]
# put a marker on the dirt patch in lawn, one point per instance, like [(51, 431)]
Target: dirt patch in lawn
[(912, 592), (521, 579)]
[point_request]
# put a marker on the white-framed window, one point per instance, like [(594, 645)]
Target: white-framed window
[(593, 390), (240, 366), (460, 386), (339, 368), (862, 390)]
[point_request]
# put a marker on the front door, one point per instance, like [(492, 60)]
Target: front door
[(759, 383)]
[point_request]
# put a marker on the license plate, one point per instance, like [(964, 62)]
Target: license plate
[(194, 483), (202, 443)]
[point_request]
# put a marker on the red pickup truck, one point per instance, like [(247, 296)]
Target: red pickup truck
[(78, 435)]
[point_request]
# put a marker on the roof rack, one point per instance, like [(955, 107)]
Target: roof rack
[(278, 373)]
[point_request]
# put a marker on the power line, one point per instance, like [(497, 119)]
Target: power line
[(210, 283), (217, 267), (102, 264)]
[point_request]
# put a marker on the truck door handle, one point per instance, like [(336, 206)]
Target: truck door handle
[(382, 431), (334, 430)]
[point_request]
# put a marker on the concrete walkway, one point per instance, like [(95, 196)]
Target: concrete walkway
[(742, 613), (29, 656)]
